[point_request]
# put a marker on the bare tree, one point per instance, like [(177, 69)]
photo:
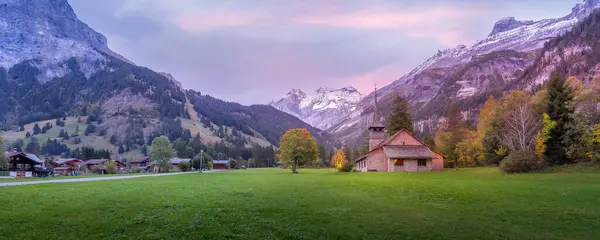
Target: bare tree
[(520, 124)]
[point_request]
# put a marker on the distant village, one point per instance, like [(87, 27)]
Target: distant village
[(27, 165)]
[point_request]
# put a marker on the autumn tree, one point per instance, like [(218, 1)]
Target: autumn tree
[(544, 135), (452, 132), (470, 150), (339, 159), (298, 148), (400, 118), (161, 153), (559, 110), (487, 115), (519, 123)]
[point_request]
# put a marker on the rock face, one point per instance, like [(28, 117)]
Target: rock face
[(468, 74), (323, 109), (49, 33)]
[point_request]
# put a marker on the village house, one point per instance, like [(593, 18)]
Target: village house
[(220, 164), (140, 163), (401, 152), (21, 164), (66, 166), (99, 164), (177, 161)]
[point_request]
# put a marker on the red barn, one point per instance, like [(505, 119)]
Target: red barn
[(220, 164)]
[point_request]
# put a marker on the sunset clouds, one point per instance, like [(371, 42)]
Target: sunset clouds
[(253, 51)]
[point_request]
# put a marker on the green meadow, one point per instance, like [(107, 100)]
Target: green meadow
[(315, 204)]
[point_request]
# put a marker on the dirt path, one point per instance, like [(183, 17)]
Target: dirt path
[(9, 184)]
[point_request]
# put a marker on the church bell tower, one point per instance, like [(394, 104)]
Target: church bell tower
[(376, 129)]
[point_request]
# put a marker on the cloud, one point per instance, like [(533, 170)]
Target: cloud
[(435, 23), (197, 21)]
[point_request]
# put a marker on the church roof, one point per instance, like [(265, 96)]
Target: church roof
[(386, 143), (408, 152)]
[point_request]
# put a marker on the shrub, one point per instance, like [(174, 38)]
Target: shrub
[(110, 167), (137, 170), (520, 161), (97, 169), (346, 167), (184, 166)]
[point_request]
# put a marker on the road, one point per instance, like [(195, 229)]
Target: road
[(9, 184)]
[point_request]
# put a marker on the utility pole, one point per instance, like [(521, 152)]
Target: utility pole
[(201, 159)]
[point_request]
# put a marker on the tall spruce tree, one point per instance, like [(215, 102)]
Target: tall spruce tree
[(560, 111), (400, 118)]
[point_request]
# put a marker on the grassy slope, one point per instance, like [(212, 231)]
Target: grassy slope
[(71, 124), (274, 204)]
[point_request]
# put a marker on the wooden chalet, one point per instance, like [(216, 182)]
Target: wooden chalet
[(21, 164), (66, 166), (100, 164), (140, 163)]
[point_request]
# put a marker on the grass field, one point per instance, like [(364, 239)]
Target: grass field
[(68, 177), (315, 204)]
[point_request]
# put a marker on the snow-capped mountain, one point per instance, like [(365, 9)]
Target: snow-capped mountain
[(49, 32), (323, 109), (464, 71), (507, 34)]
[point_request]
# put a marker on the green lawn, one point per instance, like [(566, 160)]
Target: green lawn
[(67, 177), (315, 204)]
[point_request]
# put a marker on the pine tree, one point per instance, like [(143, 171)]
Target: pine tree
[(27, 135), (121, 149), (559, 111), (400, 118), (36, 129)]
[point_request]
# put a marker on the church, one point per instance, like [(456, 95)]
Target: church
[(401, 152)]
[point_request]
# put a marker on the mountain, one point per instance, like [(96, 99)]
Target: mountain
[(323, 109), (467, 75), (52, 65)]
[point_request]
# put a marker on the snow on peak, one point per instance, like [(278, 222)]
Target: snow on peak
[(323, 108)]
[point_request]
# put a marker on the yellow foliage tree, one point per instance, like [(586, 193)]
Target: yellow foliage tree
[(486, 116), (470, 150), (544, 135), (597, 134), (298, 148), (339, 159)]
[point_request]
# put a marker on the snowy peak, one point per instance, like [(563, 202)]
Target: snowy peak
[(332, 98), (585, 8), (508, 23), (322, 109)]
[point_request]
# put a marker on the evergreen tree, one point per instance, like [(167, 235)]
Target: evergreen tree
[(145, 150), (3, 158), (66, 136), (33, 146), (27, 135), (121, 149), (113, 139), (428, 139), (559, 111), (400, 118), (61, 134), (36, 129), (22, 128)]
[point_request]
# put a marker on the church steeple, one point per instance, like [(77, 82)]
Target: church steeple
[(376, 129), (376, 123)]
